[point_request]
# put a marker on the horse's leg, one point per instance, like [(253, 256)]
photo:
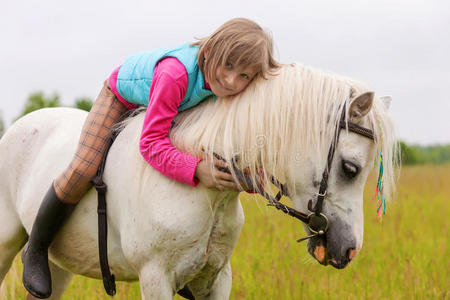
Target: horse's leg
[(212, 285), (154, 283), (60, 281), (12, 238), (222, 286), (214, 281)]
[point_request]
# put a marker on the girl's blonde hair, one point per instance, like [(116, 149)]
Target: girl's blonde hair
[(240, 42)]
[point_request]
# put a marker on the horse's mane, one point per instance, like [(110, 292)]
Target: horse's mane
[(277, 124)]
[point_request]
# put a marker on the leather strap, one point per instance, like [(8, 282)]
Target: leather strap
[(273, 201), (108, 278), (353, 127)]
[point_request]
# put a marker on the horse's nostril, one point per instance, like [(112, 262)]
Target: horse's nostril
[(351, 253), (319, 253)]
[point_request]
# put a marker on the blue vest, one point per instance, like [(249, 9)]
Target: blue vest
[(135, 75)]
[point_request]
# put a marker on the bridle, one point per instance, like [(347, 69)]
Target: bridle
[(316, 221)]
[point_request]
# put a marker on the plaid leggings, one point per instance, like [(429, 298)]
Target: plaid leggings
[(74, 182)]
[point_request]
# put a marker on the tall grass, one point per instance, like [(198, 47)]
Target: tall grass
[(404, 257)]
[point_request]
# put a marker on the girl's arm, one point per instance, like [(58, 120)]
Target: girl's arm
[(168, 88)]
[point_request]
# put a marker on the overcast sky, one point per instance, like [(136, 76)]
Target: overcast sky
[(400, 48)]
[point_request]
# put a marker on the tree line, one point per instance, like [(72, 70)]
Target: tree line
[(410, 154), (38, 100), (415, 155)]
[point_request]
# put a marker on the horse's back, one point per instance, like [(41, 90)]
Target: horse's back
[(33, 151), (29, 135)]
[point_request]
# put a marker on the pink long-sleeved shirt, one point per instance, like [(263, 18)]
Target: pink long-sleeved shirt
[(168, 88)]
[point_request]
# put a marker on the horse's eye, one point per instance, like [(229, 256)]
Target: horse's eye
[(350, 169)]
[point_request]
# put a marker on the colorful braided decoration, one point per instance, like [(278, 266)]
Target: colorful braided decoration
[(379, 192)]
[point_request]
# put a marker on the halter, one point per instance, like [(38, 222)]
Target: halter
[(316, 221)]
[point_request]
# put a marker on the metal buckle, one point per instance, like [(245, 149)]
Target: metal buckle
[(322, 195), (317, 224)]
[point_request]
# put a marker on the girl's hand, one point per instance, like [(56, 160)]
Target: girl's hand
[(216, 177)]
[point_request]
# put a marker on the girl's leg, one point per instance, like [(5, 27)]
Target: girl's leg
[(107, 111), (68, 189)]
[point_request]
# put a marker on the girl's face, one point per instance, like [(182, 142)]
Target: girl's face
[(231, 80)]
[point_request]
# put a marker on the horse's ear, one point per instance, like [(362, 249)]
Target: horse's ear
[(386, 101), (360, 106)]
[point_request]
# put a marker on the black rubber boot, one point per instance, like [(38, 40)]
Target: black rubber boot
[(51, 216), (185, 292)]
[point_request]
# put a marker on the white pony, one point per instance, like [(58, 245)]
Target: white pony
[(167, 234)]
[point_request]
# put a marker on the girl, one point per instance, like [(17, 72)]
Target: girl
[(167, 81)]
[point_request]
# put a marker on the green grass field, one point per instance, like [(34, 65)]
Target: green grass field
[(404, 257)]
